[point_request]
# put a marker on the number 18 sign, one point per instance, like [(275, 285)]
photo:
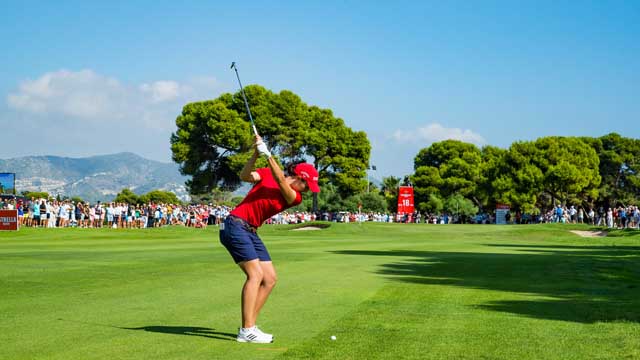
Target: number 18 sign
[(405, 200)]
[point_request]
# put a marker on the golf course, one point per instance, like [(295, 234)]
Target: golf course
[(385, 291)]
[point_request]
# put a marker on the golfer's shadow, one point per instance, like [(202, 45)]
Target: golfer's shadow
[(186, 330)]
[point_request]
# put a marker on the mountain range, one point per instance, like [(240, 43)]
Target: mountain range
[(95, 178)]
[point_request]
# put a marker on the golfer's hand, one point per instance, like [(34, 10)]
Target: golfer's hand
[(262, 148)]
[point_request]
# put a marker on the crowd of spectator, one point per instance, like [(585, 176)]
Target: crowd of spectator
[(51, 213), (621, 217)]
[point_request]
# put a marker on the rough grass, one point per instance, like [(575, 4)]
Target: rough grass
[(387, 291)]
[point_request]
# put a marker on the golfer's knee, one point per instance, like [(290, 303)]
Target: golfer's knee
[(256, 276), (269, 281)]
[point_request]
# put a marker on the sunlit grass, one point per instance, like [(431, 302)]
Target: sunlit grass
[(386, 291)]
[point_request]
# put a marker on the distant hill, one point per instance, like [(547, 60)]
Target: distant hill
[(95, 178)]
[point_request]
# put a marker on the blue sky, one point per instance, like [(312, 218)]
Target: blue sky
[(83, 78)]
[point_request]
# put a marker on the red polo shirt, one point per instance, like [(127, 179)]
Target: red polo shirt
[(263, 200)]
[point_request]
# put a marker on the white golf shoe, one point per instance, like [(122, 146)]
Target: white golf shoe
[(253, 335), (264, 333)]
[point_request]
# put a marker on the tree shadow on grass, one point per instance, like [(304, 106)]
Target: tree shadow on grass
[(584, 284), (185, 330), (176, 330)]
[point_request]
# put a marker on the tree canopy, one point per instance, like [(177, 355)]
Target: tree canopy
[(159, 197), (35, 194), (154, 196), (446, 168), (619, 168), (390, 189), (213, 140), (529, 175), (127, 196)]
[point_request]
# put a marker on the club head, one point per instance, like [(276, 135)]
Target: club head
[(233, 65)]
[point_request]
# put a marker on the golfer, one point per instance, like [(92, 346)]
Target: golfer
[(272, 193)]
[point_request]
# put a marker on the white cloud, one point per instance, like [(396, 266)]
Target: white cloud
[(88, 95), (163, 90), (435, 132), (82, 94), (84, 112)]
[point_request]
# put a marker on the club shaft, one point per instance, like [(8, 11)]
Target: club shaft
[(246, 103)]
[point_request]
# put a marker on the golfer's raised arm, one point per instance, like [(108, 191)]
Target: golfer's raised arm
[(247, 174), (286, 190)]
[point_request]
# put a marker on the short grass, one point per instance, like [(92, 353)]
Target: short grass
[(387, 291)]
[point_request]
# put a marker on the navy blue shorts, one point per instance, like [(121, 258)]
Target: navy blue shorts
[(241, 241)]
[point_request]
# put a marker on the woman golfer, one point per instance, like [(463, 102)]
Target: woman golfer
[(272, 193)]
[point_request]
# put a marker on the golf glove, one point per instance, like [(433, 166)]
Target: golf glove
[(262, 149)]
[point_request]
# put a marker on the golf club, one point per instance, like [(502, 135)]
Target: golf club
[(246, 103)]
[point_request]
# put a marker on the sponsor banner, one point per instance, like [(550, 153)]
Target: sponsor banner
[(405, 200), (7, 184), (8, 219), (501, 213)]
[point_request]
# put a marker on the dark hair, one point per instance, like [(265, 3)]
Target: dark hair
[(289, 170)]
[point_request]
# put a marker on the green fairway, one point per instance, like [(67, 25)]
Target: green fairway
[(386, 291)]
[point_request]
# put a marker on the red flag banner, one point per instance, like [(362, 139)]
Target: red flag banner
[(405, 200), (8, 219)]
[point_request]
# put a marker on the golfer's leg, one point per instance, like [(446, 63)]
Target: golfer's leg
[(269, 279), (253, 270)]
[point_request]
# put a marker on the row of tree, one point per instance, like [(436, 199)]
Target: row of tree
[(531, 175), (125, 196), (213, 141)]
